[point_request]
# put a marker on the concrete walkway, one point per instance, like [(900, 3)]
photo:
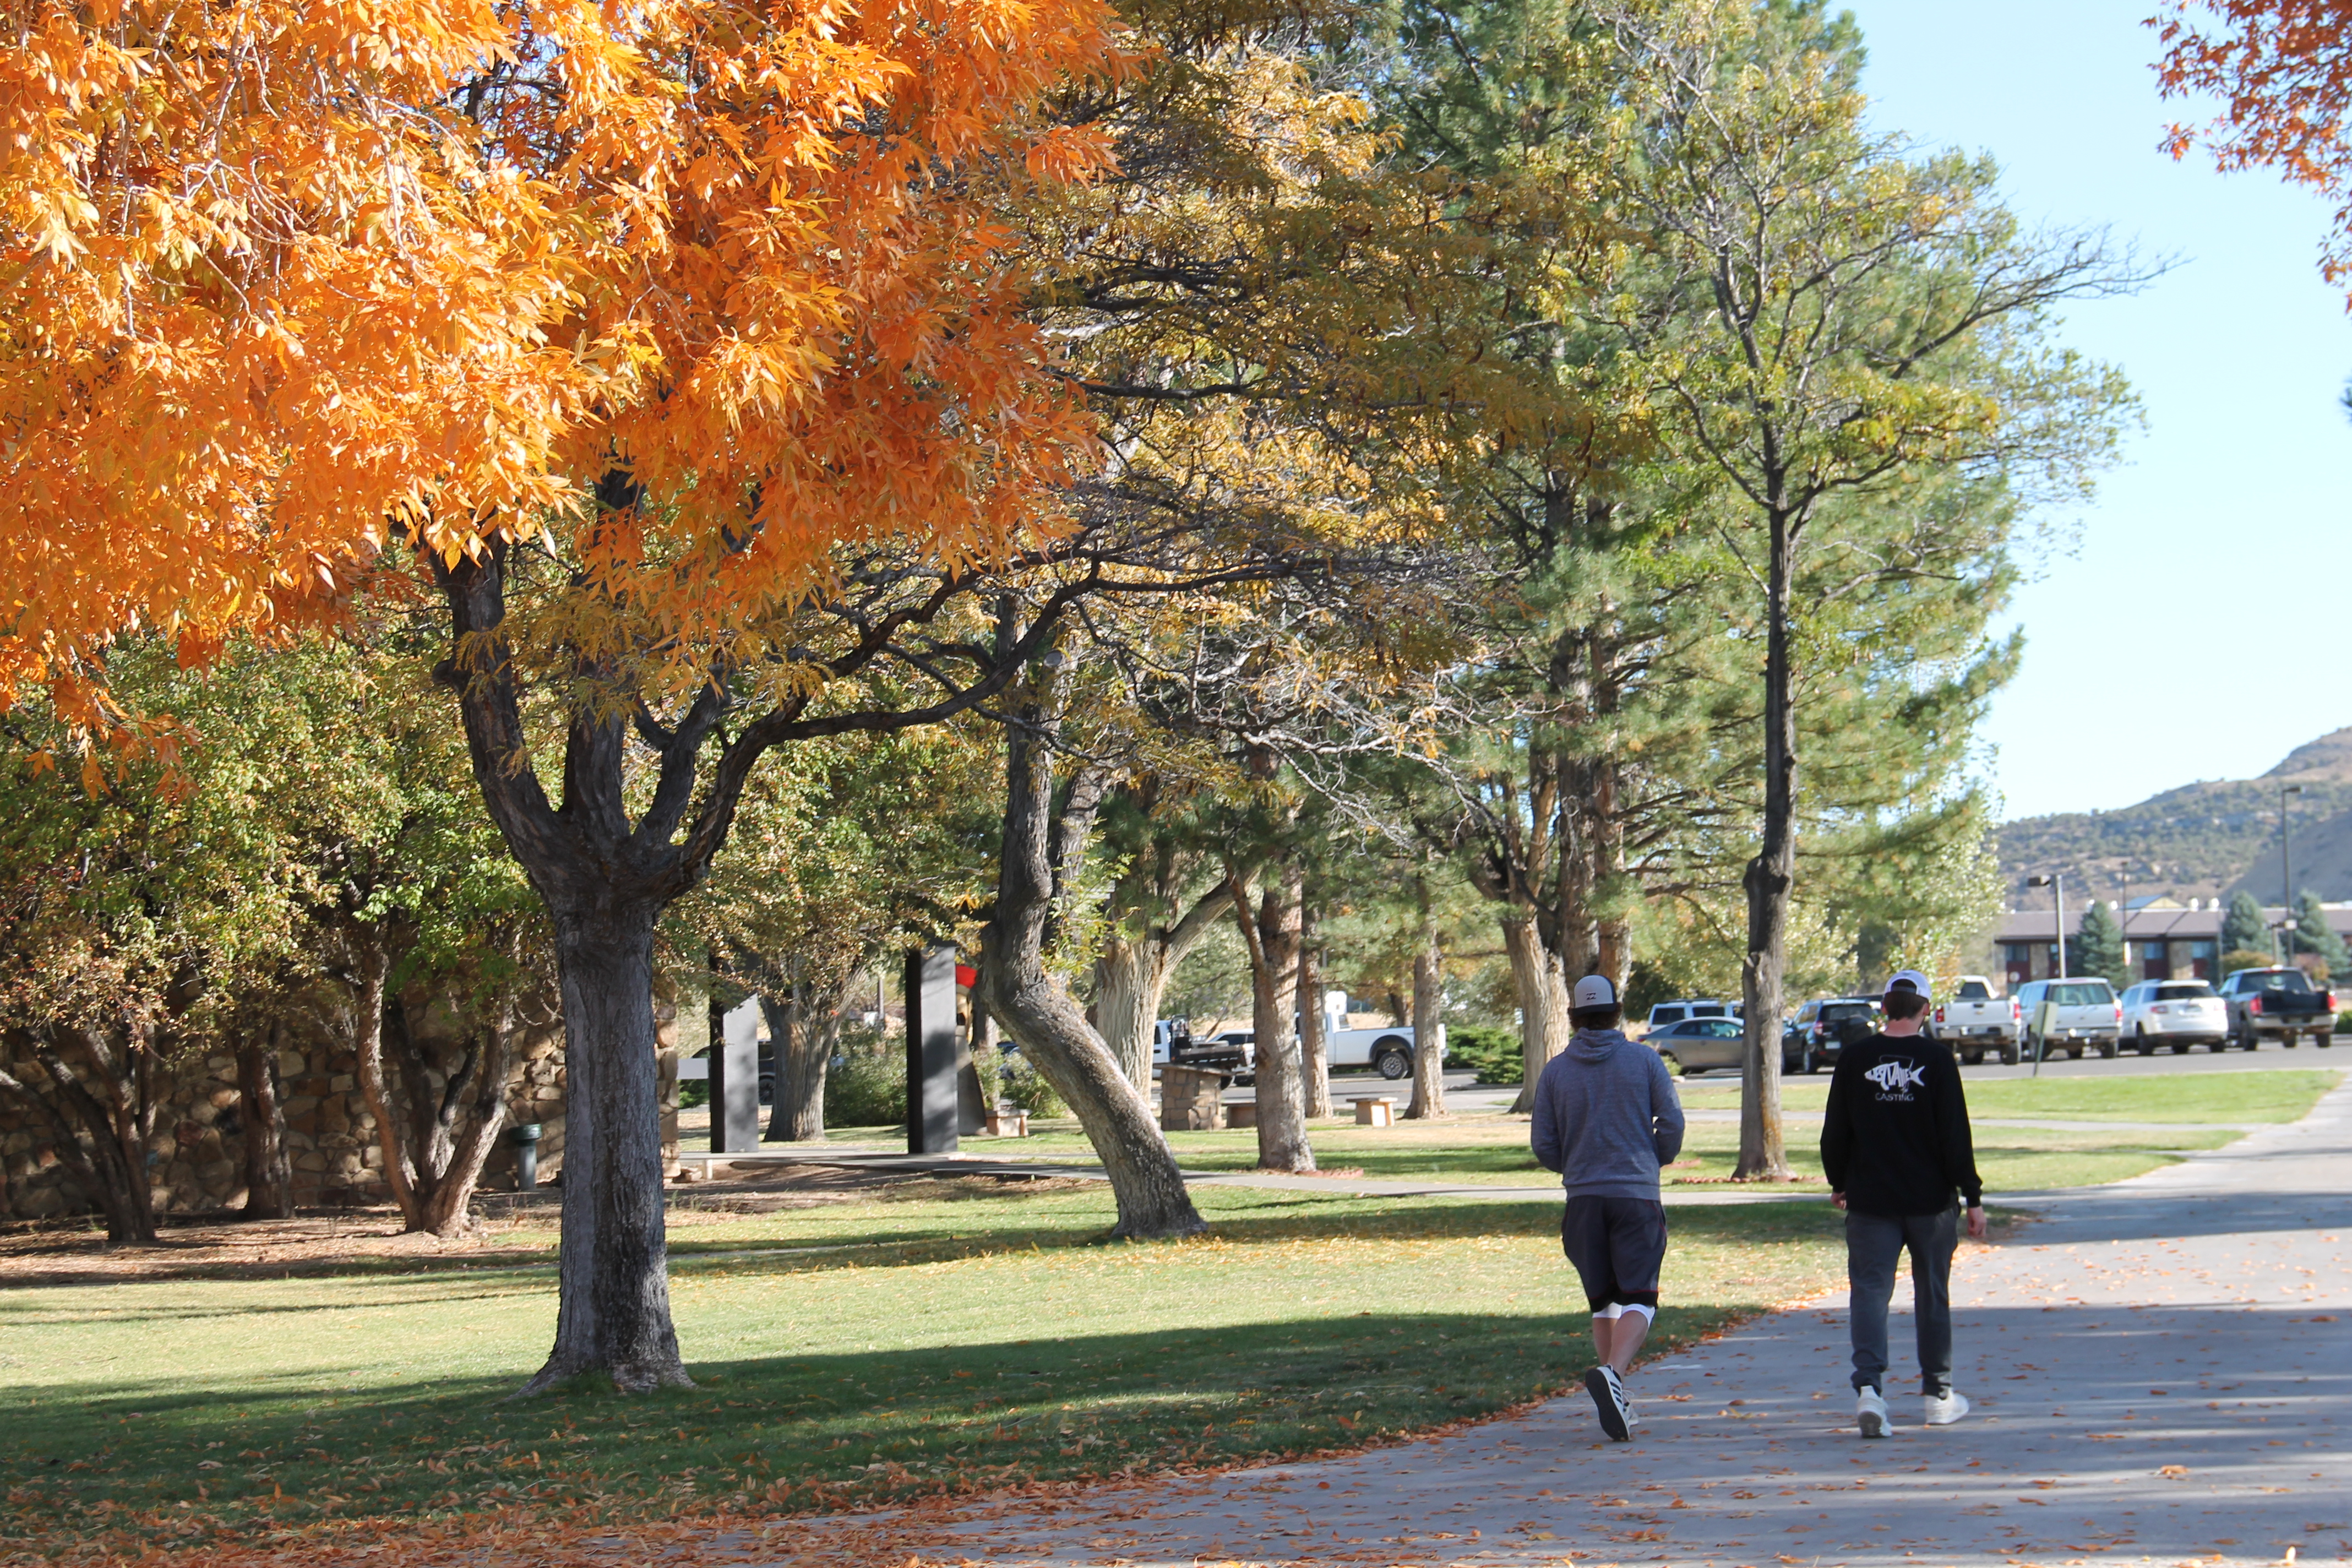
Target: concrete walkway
[(2161, 1370)]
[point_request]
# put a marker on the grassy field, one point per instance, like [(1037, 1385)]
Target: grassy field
[(954, 1335), (2269, 1095), (1491, 1149), (936, 1337)]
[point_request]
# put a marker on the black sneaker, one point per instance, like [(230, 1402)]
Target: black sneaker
[(1609, 1404)]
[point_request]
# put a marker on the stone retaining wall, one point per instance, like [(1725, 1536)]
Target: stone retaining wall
[(197, 1152)]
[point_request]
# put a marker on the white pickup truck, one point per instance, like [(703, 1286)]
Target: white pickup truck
[(1386, 1051), (1976, 1021)]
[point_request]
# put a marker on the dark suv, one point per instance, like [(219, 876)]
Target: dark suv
[(1812, 1039)]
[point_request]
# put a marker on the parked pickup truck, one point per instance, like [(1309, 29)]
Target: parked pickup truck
[(1386, 1051), (2277, 1004), (1976, 1021), (2084, 1013)]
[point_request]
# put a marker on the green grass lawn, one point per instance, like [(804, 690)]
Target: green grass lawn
[(939, 1336), (2281, 1095), (1490, 1149), (969, 1335)]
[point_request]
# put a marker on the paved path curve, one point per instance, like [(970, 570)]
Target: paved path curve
[(2162, 1369)]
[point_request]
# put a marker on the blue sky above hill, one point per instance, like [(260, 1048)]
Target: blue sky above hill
[(2188, 632)]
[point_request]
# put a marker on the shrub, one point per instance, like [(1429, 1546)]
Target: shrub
[(1492, 1050), (868, 1084), (2245, 958)]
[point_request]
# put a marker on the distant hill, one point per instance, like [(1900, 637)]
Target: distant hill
[(2202, 840)]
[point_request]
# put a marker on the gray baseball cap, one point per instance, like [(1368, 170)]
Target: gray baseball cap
[(1593, 991)]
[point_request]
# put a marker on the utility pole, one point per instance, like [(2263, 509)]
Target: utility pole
[(2056, 883), (2286, 871)]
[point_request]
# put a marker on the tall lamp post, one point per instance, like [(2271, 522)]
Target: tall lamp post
[(2056, 883), (2286, 871)]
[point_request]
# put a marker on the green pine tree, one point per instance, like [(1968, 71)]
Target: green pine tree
[(2314, 935), (2243, 929), (2098, 949)]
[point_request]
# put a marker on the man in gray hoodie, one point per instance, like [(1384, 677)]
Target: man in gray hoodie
[(1606, 1119)]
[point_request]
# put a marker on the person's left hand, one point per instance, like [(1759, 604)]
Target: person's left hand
[(1837, 1200), (1977, 1225)]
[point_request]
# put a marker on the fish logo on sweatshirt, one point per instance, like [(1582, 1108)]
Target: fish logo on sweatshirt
[(1895, 1077)]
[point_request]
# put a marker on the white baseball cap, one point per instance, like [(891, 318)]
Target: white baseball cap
[(1908, 979), (1593, 991)]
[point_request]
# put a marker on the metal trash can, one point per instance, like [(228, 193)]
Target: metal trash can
[(525, 1138)]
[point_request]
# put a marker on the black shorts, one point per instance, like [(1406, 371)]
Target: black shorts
[(1618, 1246)]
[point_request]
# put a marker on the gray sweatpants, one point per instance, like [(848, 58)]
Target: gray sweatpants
[(1873, 1244)]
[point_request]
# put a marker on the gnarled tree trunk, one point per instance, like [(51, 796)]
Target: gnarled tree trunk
[(1038, 857), (1272, 933)]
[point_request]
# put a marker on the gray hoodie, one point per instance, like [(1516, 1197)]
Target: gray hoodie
[(1606, 1116)]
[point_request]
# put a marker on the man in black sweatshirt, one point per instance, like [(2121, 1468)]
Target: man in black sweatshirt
[(1896, 1147)]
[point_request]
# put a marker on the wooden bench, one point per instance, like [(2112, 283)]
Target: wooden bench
[(1374, 1109)]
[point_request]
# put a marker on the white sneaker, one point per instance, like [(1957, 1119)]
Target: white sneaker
[(1870, 1413), (1610, 1403), (1943, 1409)]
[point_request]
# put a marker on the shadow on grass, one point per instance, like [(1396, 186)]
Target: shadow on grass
[(791, 1431)]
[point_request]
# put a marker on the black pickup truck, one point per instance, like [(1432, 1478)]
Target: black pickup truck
[(2277, 1004)]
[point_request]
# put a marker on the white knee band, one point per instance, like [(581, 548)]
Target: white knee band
[(1649, 1314), (1609, 1311)]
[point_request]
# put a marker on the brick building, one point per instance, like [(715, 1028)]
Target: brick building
[(2162, 940)]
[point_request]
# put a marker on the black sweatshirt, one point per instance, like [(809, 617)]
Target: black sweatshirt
[(1895, 1140)]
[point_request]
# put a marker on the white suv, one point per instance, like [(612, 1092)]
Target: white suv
[(1668, 1013), (2176, 1013)]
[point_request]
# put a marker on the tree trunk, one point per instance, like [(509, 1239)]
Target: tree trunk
[(269, 1169), (801, 1032), (613, 1265), (482, 1098), (1613, 932), (1271, 934), (1544, 1025), (1428, 1022), (373, 966), (106, 1152), (1763, 1154), (1037, 1010), (1132, 973), (1131, 977), (1314, 1052)]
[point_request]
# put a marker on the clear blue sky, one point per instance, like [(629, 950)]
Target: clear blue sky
[(2190, 632)]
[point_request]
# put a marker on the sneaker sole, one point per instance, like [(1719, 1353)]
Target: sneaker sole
[(1604, 1404), (1872, 1422)]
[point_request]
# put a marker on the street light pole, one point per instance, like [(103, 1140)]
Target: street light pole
[(2056, 883), (2286, 867)]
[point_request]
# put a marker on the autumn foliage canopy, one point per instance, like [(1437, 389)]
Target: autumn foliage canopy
[(287, 282), (2283, 71)]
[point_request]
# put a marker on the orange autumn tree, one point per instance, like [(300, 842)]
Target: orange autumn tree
[(680, 348), (2283, 72)]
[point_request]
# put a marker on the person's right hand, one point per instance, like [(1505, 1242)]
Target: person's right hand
[(1977, 1225)]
